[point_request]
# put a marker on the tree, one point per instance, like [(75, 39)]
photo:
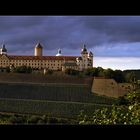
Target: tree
[(108, 73), (71, 72), (8, 69), (130, 77), (128, 113), (100, 71), (49, 72), (91, 72), (118, 76), (22, 69)]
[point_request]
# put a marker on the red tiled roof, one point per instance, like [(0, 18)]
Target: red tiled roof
[(42, 57)]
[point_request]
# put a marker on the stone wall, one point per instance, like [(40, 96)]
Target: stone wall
[(109, 87)]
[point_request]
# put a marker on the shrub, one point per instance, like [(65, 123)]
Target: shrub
[(71, 72)]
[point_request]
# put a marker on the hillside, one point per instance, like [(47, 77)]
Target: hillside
[(59, 96), (51, 108), (53, 92), (40, 78)]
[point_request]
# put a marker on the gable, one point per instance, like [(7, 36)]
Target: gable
[(4, 57)]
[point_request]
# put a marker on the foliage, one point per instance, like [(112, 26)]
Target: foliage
[(135, 73), (71, 72), (22, 69), (10, 118), (119, 76), (49, 72), (7, 69), (126, 112), (106, 73)]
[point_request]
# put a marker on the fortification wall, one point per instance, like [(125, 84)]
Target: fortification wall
[(109, 87)]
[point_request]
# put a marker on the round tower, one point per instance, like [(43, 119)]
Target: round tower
[(38, 49)]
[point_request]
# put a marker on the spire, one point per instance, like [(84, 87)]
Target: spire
[(84, 50), (59, 53), (3, 48), (38, 45), (90, 54), (84, 46)]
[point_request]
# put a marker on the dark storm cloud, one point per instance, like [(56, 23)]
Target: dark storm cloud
[(117, 29), (68, 32)]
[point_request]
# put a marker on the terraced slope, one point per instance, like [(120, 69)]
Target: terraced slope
[(52, 92), (51, 108)]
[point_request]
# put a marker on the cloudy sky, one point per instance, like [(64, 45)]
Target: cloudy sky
[(114, 40)]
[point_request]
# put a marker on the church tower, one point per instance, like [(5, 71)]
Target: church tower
[(90, 59), (3, 50), (84, 54), (59, 53), (38, 49)]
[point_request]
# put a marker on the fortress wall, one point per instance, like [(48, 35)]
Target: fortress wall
[(109, 87), (124, 88)]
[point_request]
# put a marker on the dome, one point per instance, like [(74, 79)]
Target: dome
[(3, 48), (59, 53), (38, 45)]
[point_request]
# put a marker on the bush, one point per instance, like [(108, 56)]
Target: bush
[(52, 120), (71, 72), (7, 69), (33, 119), (22, 69), (127, 112), (49, 72)]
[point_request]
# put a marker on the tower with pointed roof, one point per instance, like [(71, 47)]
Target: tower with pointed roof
[(3, 50), (84, 54), (38, 49), (59, 53), (38, 61), (90, 59)]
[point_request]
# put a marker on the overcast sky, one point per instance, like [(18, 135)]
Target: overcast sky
[(114, 40)]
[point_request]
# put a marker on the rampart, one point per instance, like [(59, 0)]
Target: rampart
[(109, 87)]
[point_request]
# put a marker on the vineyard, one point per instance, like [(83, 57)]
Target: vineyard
[(52, 92), (58, 96), (40, 78), (51, 108)]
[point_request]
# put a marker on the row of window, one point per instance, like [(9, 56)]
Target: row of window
[(19, 64), (59, 61), (30, 64)]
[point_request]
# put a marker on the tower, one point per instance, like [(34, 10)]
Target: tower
[(38, 49), (90, 59), (3, 50), (59, 53), (84, 54)]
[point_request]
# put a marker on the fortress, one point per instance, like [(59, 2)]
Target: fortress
[(101, 86), (38, 61)]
